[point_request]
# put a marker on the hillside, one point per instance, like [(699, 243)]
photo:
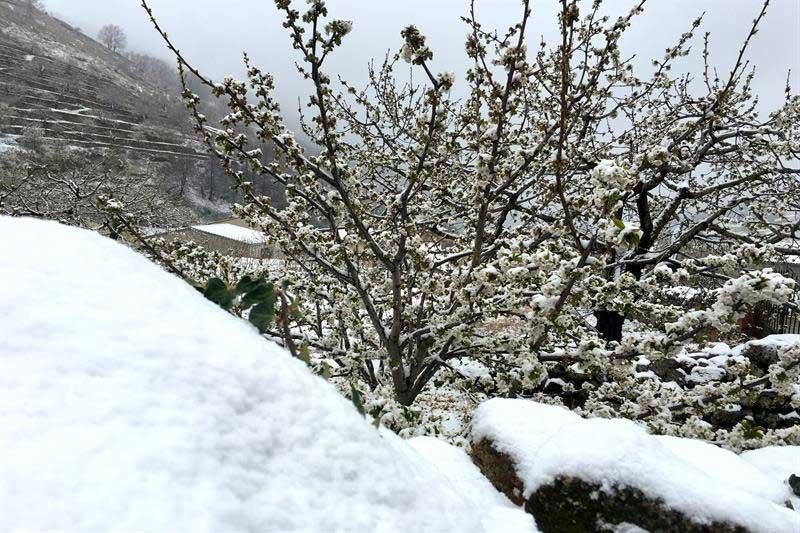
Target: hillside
[(68, 87)]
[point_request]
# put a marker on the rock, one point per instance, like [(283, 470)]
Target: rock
[(768, 400), (499, 469), (571, 504), (669, 369), (761, 355), (725, 418), (588, 474), (794, 483)]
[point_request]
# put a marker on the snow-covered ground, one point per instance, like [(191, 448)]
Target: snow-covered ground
[(7, 143), (699, 479), (129, 402)]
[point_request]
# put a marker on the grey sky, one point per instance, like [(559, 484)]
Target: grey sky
[(213, 33)]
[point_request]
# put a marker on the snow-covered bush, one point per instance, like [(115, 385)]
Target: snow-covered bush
[(48, 179), (522, 228)]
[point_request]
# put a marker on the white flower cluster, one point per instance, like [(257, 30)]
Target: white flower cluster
[(609, 181), (505, 230)]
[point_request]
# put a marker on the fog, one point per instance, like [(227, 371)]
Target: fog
[(214, 33)]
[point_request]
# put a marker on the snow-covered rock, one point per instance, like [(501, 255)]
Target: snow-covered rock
[(764, 352), (554, 461), (129, 402)]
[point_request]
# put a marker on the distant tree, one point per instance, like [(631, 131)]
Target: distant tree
[(155, 71), (31, 6), (113, 37)]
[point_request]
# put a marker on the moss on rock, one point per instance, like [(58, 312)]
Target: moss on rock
[(571, 504)]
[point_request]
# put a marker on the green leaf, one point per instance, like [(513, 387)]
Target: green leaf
[(261, 315), (633, 239), (261, 293), (325, 370), (246, 284), (619, 223), (358, 401), (304, 354), (218, 292), (750, 430)]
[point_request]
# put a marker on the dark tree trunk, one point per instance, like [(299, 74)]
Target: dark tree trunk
[(609, 325)]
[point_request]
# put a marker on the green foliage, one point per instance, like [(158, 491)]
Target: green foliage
[(357, 399), (217, 291), (261, 315), (751, 430), (304, 354), (256, 295)]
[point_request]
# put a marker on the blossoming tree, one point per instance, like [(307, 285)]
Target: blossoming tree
[(525, 224)]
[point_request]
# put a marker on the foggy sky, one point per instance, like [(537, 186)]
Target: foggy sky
[(214, 33)]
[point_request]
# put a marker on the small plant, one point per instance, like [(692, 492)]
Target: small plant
[(254, 298)]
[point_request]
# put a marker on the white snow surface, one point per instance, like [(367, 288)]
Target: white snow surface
[(130, 403), (498, 513), (696, 478), (777, 462), (780, 340), (232, 231)]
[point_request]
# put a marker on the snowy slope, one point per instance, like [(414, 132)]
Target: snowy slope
[(497, 512), (128, 402), (694, 477)]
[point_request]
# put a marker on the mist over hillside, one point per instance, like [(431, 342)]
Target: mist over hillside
[(60, 88)]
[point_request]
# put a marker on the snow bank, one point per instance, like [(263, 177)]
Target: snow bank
[(701, 480), (232, 231), (128, 402), (498, 513)]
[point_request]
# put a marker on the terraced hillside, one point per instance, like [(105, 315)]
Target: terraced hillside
[(65, 86)]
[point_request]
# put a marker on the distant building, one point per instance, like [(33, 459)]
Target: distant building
[(229, 237)]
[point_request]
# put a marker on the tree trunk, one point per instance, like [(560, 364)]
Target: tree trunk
[(609, 325)]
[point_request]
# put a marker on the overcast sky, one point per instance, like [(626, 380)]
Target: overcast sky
[(214, 33)]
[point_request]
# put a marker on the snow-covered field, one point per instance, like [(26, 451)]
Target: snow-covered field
[(129, 402)]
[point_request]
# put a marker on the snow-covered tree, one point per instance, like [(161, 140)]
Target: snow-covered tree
[(522, 226), (113, 37)]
